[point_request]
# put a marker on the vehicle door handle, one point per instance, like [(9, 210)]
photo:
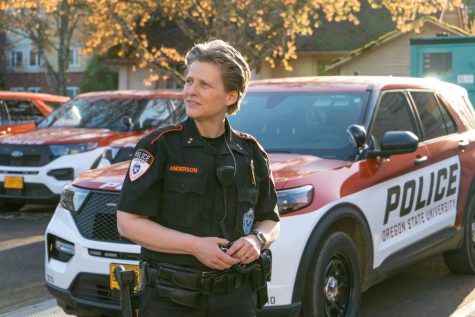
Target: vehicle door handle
[(463, 144), (420, 160)]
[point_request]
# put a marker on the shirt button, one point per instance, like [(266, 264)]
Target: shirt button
[(182, 186)]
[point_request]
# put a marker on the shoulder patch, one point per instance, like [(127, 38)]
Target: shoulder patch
[(159, 132), (141, 162), (247, 136)]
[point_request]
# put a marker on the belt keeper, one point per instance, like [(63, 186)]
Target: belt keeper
[(231, 282)]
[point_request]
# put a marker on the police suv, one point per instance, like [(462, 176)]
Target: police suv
[(372, 174), (36, 165)]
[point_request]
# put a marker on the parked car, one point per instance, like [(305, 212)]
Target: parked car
[(119, 151), (22, 111), (372, 175), (36, 165)]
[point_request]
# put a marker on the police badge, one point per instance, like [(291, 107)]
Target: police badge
[(141, 162), (248, 221)]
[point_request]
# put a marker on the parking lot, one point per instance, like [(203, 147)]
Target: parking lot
[(426, 289)]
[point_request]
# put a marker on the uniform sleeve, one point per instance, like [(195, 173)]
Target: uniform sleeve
[(266, 208), (143, 183)]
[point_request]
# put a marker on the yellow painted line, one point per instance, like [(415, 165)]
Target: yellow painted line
[(20, 242)]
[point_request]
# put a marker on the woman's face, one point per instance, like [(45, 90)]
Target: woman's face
[(205, 96)]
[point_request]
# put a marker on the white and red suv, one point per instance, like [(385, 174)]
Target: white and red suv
[(372, 174), (36, 165)]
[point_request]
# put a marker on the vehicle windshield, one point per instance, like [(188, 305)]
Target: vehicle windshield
[(95, 113), (304, 123)]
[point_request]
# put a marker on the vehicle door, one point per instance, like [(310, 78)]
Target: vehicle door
[(444, 144), (4, 120), (392, 197), (23, 115)]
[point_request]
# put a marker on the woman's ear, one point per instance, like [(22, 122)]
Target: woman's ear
[(232, 97)]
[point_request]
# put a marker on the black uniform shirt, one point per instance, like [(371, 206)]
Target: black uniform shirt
[(172, 178)]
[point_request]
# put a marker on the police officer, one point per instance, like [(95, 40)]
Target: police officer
[(194, 188)]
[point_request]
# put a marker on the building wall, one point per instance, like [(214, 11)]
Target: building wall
[(391, 58), (304, 65), (132, 77), (27, 77)]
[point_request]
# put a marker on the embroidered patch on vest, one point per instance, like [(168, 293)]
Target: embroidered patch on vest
[(248, 221), (141, 162), (184, 169)]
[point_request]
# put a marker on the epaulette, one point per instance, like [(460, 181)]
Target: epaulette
[(164, 130), (247, 136)]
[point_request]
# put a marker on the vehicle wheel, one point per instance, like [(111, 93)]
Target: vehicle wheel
[(334, 288), (7, 207), (462, 260)]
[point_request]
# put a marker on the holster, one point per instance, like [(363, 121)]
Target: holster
[(260, 276)]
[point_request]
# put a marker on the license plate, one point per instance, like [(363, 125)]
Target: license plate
[(13, 182), (113, 282)]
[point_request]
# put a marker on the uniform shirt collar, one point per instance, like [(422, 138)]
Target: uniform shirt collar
[(192, 138)]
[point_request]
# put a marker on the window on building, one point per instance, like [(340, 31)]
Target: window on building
[(16, 58), (437, 64), (74, 58), (22, 111), (17, 89), (36, 59), (72, 91), (394, 114), (431, 115), (34, 89)]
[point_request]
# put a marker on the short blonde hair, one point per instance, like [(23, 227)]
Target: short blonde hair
[(234, 69)]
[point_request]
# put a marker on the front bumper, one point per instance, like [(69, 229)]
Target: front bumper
[(39, 186)]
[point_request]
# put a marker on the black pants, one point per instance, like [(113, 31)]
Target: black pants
[(239, 303)]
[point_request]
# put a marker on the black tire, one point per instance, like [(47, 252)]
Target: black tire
[(9, 207), (462, 260), (334, 287)]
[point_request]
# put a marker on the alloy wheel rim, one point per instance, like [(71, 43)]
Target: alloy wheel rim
[(337, 288)]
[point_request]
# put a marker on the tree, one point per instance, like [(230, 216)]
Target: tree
[(51, 26), (99, 77), (263, 30)]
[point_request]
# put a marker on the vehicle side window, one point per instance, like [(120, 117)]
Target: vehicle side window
[(393, 114), (3, 114), (431, 115), (156, 109), (178, 109), (22, 111)]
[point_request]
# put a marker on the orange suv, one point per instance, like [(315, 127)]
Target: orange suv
[(21, 111)]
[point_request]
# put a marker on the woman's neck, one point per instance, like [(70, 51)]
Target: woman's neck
[(209, 129)]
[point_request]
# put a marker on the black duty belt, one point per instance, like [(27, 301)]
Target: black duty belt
[(205, 283)]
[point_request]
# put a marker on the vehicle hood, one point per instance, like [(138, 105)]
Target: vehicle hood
[(285, 168), (295, 167), (64, 136), (128, 142)]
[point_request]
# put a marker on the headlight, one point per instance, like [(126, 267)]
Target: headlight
[(294, 199), (72, 197), (65, 149)]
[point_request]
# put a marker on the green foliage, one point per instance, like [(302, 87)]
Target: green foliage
[(99, 77)]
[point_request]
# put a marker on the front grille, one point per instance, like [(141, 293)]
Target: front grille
[(25, 155), (124, 154), (97, 218), (30, 190), (95, 288)]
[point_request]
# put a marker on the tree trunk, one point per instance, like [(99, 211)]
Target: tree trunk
[(63, 51)]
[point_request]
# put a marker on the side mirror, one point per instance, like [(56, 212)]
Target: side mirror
[(358, 136), (126, 121), (396, 142)]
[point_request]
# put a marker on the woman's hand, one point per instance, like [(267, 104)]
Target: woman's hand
[(207, 251), (246, 249)]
